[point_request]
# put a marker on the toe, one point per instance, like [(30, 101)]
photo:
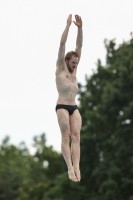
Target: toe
[(77, 173), (72, 176)]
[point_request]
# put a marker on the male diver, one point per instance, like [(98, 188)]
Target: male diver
[(68, 115)]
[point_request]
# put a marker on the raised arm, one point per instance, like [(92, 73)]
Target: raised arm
[(61, 53), (79, 40)]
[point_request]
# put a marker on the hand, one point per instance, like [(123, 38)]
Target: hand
[(69, 20), (78, 22)]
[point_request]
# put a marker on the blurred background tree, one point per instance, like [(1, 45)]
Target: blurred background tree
[(13, 168), (106, 104), (24, 176), (106, 107)]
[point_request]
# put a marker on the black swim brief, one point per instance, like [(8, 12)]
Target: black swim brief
[(69, 108)]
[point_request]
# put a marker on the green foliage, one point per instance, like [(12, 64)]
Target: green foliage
[(65, 189), (24, 176), (106, 104), (13, 162)]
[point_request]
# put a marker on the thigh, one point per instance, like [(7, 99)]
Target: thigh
[(75, 122), (63, 120)]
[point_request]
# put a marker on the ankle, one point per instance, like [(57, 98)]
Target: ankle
[(76, 168), (70, 169)]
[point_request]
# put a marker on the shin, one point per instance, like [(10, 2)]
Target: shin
[(66, 150), (75, 150)]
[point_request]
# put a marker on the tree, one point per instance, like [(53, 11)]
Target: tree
[(46, 165), (13, 168), (26, 176), (106, 103)]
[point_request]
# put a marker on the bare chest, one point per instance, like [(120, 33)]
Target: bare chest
[(67, 79), (70, 79)]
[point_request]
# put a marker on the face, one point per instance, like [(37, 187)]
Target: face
[(72, 64)]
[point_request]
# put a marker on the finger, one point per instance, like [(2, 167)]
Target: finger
[(70, 15), (76, 16)]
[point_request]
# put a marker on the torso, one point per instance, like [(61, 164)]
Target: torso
[(67, 86)]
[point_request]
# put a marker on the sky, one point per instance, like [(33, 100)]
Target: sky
[(30, 32)]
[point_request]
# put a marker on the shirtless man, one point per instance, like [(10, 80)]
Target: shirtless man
[(69, 118)]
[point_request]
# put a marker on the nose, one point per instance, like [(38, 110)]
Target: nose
[(74, 64)]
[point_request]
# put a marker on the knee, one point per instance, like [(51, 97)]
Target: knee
[(65, 138), (76, 137)]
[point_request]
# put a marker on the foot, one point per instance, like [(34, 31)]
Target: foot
[(72, 176), (77, 173)]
